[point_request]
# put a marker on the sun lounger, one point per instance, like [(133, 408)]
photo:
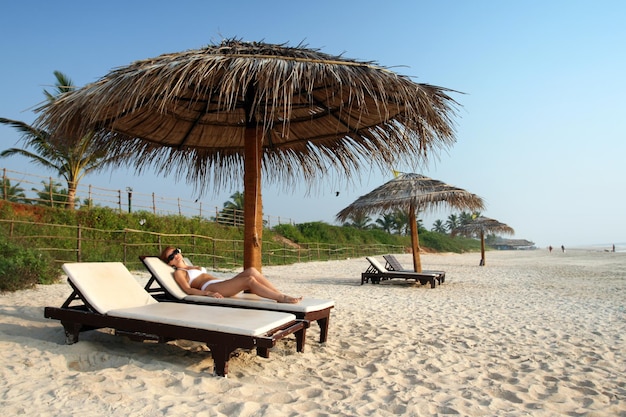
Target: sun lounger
[(393, 264), (106, 295), (376, 272), (163, 286)]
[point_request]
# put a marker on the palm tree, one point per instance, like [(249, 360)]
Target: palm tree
[(72, 160), (13, 193), (235, 202), (233, 209), (52, 195), (402, 222), (466, 217), (439, 227), (452, 222), (387, 222), (359, 221)]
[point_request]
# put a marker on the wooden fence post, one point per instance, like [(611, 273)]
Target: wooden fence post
[(125, 244), (79, 244), (4, 184), (214, 253), (50, 193)]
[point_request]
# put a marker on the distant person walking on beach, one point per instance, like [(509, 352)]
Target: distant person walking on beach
[(550, 248), (613, 248), (563, 248)]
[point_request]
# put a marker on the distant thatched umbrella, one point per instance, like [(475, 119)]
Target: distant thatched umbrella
[(478, 227), (245, 108), (412, 193)]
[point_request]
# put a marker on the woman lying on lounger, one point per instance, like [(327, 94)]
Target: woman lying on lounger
[(195, 280)]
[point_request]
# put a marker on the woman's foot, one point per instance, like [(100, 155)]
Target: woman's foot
[(289, 300)]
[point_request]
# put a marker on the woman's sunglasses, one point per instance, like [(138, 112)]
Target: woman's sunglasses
[(172, 255)]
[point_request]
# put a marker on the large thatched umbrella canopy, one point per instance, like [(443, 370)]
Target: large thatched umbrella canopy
[(478, 228), (288, 112), (412, 193)]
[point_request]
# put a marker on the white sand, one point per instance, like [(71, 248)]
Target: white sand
[(531, 333)]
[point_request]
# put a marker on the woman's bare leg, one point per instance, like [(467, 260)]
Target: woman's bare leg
[(259, 277), (242, 282)]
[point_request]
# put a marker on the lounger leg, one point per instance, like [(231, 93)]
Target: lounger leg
[(323, 323), (263, 352), (433, 282), (300, 339), (72, 331), (221, 354)]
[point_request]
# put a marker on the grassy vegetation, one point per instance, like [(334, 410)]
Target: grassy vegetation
[(37, 239), (22, 267), (326, 233)]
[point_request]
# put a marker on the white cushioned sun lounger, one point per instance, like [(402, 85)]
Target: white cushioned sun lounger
[(111, 297), (309, 309)]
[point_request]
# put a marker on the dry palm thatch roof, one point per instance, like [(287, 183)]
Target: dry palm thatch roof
[(482, 225), (186, 113), (409, 192)]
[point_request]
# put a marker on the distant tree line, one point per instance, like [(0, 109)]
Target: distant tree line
[(397, 222)]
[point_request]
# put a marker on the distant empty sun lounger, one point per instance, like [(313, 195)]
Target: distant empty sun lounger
[(376, 272), (393, 264), (106, 295), (163, 286)]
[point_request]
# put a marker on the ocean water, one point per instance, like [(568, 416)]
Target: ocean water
[(603, 247)]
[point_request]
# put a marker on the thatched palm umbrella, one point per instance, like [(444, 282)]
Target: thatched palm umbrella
[(240, 107), (412, 193), (478, 227)]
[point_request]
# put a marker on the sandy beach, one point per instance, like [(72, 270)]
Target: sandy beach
[(530, 333)]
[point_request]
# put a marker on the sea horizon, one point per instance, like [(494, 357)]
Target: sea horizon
[(603, 247)]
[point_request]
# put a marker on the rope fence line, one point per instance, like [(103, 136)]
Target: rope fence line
[(51, 192), (85, 244)]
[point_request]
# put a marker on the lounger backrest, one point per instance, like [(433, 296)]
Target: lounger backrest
[(107, 285), (165, 275), (376, 264), (393, 262)]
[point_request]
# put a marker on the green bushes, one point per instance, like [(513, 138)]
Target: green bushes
[(321, 232), (22, 268), (440, 242)]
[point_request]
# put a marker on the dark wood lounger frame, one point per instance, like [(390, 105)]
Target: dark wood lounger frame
[(392, 264), (375, 277), (322, 317), (80, 318)]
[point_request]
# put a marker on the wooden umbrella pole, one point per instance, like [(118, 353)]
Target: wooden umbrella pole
[(482, 248), (415, 241), (253, 209)]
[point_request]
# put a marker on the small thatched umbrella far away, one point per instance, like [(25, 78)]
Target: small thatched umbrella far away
[(243, 109), (478, 227), (412, 193)]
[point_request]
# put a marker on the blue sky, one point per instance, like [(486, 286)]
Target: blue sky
[(540, 135)]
